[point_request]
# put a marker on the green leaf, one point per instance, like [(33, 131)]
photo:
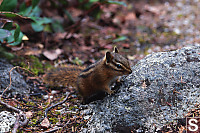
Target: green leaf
[(35, 11), (11, 39), (77, 61), (37, 27), (8, 26), (57, 27), (4, 33), (35, 3), (4, 21), (10, 15), (45, 20), (41, 21), (26, 11), (1, 40), (93, 0), (69, 16), (17, 31), (121, 38), (30, 12), (117, 2), (22, 7), (8, 5), (4, 54), (47, 28)]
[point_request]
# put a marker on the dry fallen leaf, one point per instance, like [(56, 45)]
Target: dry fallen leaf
[(131, 57), (25, 38), (33, 52), (52, 54), (153, 9), (130, 16), (29, 114), (45, 123)]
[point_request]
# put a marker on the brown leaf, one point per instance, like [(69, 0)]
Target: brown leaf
[(108, 46), (152, 9), (12, 103), (29, 114), (59, 36), (53, 54), (126, 45), (33, 52), (130, 16), (45, 123)]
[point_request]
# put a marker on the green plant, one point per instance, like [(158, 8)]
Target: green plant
[(10, 30)]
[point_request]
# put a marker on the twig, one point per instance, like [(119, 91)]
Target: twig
[(9, 106), (21, 113), (47, 109), (16, 126), (56, 129), (19, 123), (9, 83)]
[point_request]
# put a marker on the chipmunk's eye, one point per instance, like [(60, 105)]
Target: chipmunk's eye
[(118, 65)]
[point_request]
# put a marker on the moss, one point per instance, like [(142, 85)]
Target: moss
[(47, 66), (34, 121), (58, 113), (36, 65), (33, 64), (31, 103), (70, 108), (77, 61), (59, 107), (180, 16), (7, 55), (63, 117), (40, 112), (73, 107), (53, 120)]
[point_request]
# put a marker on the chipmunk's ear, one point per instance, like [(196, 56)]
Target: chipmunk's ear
[(115, 50), (108, 57)]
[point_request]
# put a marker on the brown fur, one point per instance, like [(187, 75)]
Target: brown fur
[(100, 75), (63, 76), (95, 78)]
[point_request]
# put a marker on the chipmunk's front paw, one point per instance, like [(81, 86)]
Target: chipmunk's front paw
[(111, 92)]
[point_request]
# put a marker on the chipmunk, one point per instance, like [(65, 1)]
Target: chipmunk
[(97, 77)]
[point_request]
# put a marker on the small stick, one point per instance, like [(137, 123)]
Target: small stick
[(47, 109), (21, 113)]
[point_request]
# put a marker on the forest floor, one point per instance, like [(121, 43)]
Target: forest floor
[(140, 28)]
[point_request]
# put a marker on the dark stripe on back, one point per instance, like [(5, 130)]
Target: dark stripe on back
[(87, 69), (83, 75)]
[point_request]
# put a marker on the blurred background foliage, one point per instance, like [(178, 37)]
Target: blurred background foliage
[(29, 11)]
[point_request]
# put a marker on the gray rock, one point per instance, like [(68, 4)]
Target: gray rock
[(18, 86), (6, 121), (171, 89)]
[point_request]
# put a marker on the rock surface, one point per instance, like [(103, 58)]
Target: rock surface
[(6, 121), (18, 86), (163, 87)]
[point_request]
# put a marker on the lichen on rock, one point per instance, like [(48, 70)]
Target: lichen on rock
[(163, 88), (18, 86)]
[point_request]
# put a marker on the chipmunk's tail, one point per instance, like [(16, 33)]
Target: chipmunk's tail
[(63, 76)]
